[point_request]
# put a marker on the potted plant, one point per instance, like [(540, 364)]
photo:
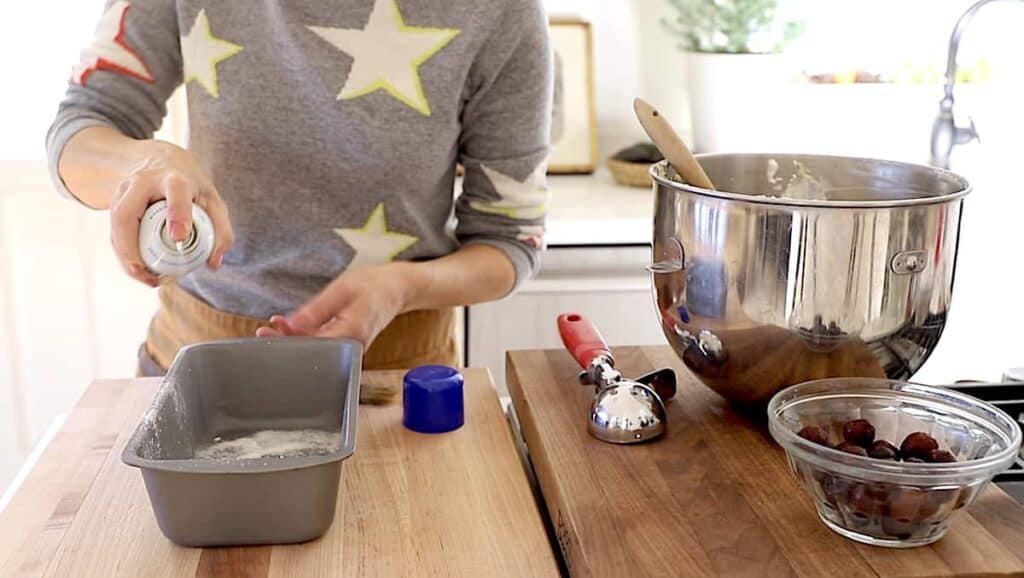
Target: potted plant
[(733, 57)]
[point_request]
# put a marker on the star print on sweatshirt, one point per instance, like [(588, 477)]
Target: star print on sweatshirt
[(201, 52), (386, 54), (109, 51), (332, 129), (373, 242)]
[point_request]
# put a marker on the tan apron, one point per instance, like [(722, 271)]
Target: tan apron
[(412, 339)]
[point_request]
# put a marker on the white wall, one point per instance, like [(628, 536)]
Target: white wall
[(617, 59), (39, 43), (68, 315), (635, 56)]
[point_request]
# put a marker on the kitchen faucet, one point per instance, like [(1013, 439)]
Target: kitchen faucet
[(945, 132)]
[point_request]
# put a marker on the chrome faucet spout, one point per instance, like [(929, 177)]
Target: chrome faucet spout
[(954, 45), (946, 134)]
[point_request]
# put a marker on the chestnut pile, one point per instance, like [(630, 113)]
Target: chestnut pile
[(884, 510), (859, 439)]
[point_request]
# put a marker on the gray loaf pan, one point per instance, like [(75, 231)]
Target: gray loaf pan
[(233, 388)]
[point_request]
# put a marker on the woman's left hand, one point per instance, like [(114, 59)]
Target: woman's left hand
[(358, 305)]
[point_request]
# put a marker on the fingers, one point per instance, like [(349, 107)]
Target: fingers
[(179, 180), (224, 234), (321, 309), (146, 276), (346, 328), (279, 323), (278, 327), (335, 328), (125, 216), (179, 193)]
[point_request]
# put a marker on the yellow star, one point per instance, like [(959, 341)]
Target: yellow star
[(386, 55), (373, 242), (201, 52)]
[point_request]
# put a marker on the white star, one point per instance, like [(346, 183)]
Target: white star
[(526, 199), (109, 51), (386, 54), (373, 242), (201, 52)]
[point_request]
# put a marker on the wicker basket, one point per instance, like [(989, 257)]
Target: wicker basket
[(631, 174)]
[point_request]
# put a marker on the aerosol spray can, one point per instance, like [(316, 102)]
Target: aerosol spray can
[(169, 258)]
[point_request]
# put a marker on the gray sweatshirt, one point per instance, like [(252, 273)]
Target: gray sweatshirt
[(332, 128)]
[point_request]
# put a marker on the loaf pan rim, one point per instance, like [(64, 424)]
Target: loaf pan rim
[(255, 466)]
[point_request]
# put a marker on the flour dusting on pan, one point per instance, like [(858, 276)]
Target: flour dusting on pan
[(273, 443)]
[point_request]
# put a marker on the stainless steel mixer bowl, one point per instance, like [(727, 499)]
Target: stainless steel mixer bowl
[(804, 267)]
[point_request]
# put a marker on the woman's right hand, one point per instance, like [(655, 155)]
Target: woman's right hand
[(172, 173)]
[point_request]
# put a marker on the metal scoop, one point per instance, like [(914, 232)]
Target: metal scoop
[(624, 411)]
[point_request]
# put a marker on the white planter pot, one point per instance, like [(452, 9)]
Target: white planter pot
[(732, 99)]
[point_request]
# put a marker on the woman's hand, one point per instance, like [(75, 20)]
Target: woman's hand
[(358, 305), (361, 302), (172, 173)]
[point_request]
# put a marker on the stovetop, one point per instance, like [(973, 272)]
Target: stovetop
[(1008, 397)]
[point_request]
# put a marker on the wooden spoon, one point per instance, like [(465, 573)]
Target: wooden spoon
[(671, 145)]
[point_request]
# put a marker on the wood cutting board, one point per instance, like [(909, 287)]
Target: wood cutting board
[(455, 504), (713, 497)]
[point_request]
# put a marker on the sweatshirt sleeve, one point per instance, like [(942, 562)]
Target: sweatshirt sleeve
[(123, 77), (504, 143)]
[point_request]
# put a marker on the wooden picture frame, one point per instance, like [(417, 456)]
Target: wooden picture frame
[(574, 114)]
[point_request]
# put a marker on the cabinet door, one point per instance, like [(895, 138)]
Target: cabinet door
[(609, 285)]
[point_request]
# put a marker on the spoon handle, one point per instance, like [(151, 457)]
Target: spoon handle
[(582, 339), (671, 145)]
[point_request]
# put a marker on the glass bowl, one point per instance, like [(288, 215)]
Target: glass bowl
[(886, 502)]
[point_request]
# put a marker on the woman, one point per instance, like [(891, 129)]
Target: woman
[(324, 138)]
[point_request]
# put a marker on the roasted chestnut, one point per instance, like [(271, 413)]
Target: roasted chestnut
[(964, 496), (835, 489), (867, 499), (902, 515), (816, 434), (852, 449), (936, 499), (883, 450), (859, 432), (899, 529), (918, 445), (906, 504), (941, 456)]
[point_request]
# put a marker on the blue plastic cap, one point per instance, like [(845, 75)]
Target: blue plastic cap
[(432, 399)]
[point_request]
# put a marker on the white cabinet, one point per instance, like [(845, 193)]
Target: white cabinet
[(607, 284)]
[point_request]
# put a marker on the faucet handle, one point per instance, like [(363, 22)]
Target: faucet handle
[(966, 134)]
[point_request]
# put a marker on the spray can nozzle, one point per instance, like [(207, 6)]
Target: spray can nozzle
[(170, 258)]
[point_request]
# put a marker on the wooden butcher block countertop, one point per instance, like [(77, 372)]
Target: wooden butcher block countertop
[(713, 497), (455, 504)]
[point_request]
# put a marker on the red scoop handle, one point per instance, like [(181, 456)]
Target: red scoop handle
[(582, 339)]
